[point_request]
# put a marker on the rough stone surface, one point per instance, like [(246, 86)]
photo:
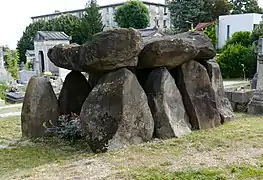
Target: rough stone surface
[(255, 106), (40, 106), (166, 104), (201, 42), (109, 50), (223, 104), (74, 92), (116, 113), (94, 78), (167, 51), (198, 95)]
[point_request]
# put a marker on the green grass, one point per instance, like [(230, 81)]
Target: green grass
[(10, 130), (152, 161), (22, 155), (10, 110), (241, 173)]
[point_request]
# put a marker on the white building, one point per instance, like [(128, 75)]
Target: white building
[(229, 24), (158, 12), (45, 40)]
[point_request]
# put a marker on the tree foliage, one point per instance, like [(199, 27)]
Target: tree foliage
[(80, 30), (210, 31), (234, 57), (132, 14), (196, 11), (12, 59), (243, 38), (27, 40), (67, 23), (245, 6), (236, 53), (91, 22)]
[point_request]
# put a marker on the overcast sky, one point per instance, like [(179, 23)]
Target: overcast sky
[(15, 14)]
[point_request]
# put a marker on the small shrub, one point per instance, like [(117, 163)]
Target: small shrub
[(29, 65), (69, 128), (12, 59), (232, 58), (243, 38), (3, 89)]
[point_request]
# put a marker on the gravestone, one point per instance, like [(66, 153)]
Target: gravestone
[(255, 107), (15, 97), (24, 76)]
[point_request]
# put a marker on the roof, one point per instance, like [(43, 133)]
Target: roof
[(149, 31), (101, 7), (30, 52), (51, 35), (201, 26)]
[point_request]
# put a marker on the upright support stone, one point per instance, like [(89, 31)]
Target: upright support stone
[(165, 101), (116, 113), (198, 95), (40, 107), (74, 92), (222, 102)]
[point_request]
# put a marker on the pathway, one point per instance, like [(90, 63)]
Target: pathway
[(10, 110)]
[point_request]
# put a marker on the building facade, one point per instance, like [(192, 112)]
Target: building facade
[(229, 24), (44, 41), (158, 13)]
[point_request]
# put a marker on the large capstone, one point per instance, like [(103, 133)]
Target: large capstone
[(108, 50), (222, 102), (165, 101), (202, 43), (116, 113), (167, 51), (198, 95), (74, 93), (40, 107)]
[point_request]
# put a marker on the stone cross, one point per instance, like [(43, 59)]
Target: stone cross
[(260, 66)]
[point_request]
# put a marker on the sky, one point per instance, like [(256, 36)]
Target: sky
[(15, 14)]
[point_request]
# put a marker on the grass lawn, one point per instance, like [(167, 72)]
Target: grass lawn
[(232, 151)]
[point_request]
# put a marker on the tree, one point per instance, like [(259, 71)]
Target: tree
[(12, 59), (69, 24), (27, 40), (245, 6), (66, 23), (216, 8), (196, 11), (236, 53), (91, 23), (210, 31), (132, 14)]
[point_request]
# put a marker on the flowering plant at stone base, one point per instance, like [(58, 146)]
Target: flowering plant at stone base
[(69, 128)]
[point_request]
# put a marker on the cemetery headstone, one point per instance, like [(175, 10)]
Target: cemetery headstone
[(255, 107), (24, 76)]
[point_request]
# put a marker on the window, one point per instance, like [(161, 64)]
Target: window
[(157, 23), (228, 32), (157, 9), (108, 10), (164, 23), (165, 10)]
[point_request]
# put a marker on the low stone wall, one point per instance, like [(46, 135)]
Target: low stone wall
[(239, 99)]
